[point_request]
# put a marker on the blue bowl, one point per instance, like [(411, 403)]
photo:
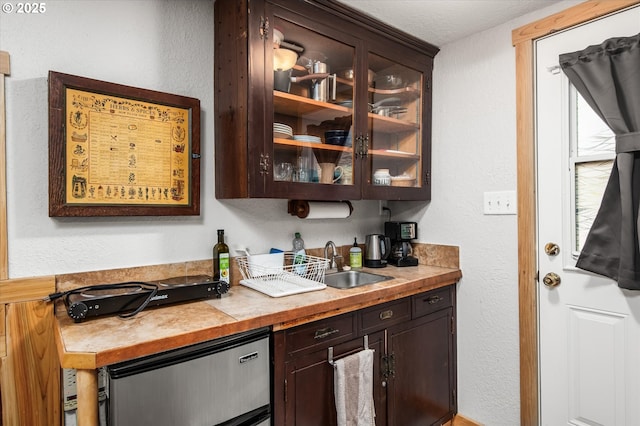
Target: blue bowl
[(336, 137)]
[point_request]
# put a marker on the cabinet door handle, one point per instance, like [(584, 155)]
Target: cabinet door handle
[(388, 367), (325, 332), (357, 147), (366, 145), (433, 299), (384, 315)]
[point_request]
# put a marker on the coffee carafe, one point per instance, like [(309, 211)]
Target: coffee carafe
[(323, 89), (400, 234)]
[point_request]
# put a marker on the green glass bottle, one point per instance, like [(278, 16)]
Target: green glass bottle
[(221, 264)]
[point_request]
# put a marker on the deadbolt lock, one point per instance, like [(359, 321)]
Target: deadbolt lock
[(552, 249), (551, 280)]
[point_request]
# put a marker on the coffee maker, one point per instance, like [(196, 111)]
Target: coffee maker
[(400, 234)]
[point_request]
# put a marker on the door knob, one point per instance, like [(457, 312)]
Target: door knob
[(552, 249), (551, 280)]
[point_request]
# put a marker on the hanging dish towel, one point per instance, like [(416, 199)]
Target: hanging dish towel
[(353, 389)]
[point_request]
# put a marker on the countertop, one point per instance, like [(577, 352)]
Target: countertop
[(106, 340)]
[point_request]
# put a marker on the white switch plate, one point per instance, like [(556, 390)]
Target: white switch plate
[(500, 202)]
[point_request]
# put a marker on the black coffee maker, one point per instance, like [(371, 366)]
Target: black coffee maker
[(400, 234)]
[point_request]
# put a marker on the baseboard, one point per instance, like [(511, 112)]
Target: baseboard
[(460, 420)]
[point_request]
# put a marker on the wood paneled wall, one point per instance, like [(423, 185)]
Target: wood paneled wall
[(29, 366), (5, 69), (4, 273), (30, 372)]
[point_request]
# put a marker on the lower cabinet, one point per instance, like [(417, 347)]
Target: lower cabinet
[(414, 365)]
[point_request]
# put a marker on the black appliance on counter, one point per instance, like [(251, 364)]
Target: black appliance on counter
[(129, 297), (400, 234)]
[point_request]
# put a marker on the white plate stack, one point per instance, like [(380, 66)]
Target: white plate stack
[(282, 131), (307, 138)]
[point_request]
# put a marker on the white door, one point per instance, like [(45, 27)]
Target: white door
[(589, 328)]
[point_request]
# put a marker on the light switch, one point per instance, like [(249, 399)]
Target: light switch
[(500, 202)]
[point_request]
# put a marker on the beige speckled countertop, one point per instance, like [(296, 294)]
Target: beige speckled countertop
[(106, 340)]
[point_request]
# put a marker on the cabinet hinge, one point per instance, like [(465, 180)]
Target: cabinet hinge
[(361, 147), (427, 177), (264, 27), (264, 164), (453, 397), (453, 325), (285, 391)]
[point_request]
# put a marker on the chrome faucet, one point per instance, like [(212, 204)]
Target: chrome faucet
[(334, 258)]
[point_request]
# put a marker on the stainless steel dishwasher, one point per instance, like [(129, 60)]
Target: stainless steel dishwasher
[(226, 382)]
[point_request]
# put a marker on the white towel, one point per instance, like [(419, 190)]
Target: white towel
[(353, 389)]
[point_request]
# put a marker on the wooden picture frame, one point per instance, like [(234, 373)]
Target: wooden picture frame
[(116, 150)]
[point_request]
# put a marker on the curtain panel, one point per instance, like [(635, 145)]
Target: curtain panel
[(608, 78)]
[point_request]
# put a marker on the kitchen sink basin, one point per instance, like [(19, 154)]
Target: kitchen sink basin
[(351, 279)]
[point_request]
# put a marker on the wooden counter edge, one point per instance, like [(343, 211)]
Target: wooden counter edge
[(77, 360), (278, 321)]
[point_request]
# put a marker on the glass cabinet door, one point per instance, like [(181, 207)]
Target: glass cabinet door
[(395, 126), (313, 98)]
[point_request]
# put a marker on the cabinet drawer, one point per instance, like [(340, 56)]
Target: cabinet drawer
[(381, 316), (431, 301), (323, 332)]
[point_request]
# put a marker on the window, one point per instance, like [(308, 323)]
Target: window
[(591, 157)]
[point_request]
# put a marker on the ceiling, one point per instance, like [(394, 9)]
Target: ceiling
[(443, 21)]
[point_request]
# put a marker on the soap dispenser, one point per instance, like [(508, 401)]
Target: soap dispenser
[(355, 255)]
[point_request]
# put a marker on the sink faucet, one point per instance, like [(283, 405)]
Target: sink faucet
[(334, 257)]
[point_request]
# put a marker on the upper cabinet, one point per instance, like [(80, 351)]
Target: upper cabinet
[(316, 101)]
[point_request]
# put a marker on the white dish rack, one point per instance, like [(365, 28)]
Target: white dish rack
[(282, 277)]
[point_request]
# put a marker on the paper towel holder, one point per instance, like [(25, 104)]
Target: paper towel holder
[(300, 208)]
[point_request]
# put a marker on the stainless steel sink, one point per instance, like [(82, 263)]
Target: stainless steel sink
[(351, 279)]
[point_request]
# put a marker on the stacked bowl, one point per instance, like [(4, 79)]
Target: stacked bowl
[(336, 137)]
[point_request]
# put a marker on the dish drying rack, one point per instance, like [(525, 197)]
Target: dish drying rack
[(283, 277)]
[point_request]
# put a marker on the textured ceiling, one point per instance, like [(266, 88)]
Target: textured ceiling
[(443, 21)]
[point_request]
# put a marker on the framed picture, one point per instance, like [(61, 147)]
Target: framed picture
[(116, 150)]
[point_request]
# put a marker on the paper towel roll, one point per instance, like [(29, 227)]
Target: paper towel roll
[(320, 209)]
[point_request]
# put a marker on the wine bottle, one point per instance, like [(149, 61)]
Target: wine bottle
[(221, 267)]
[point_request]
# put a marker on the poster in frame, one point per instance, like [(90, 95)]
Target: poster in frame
[(116, 150)]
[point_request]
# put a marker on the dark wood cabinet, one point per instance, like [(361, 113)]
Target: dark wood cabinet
[(314, 100), (414, 365)]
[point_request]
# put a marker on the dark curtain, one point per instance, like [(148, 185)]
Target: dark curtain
[(608, 77)]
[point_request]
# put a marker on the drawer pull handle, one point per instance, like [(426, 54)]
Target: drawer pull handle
[(325, 332), (433, 299), (384, 315)]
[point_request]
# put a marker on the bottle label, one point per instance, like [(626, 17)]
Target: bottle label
[(299, 259), (224, 267), (355, 259)]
